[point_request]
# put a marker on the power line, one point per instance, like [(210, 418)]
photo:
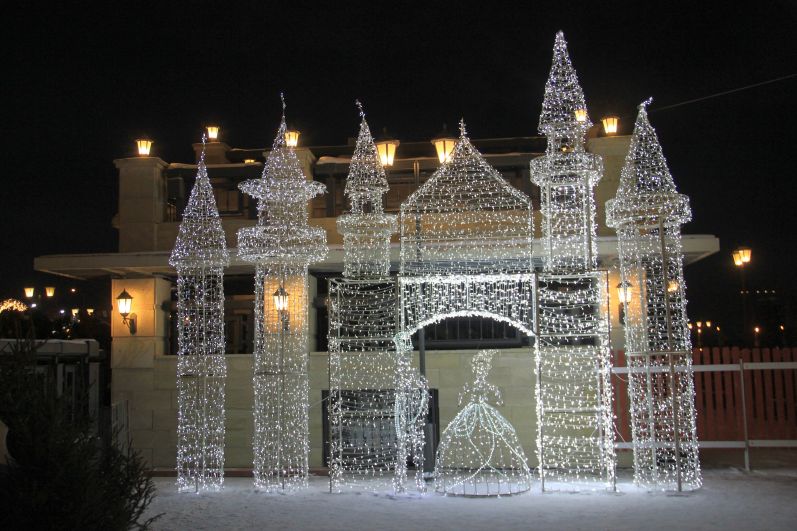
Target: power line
[(723, 93)]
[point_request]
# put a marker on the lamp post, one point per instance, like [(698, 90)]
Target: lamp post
[(741, 257)]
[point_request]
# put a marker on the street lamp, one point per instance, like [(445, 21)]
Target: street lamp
[(444, 145), (386, 147), (213, 133), (741, 257), (49, 291), (29, 292)]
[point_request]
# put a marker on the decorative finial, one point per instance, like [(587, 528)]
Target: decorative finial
[(462, 131), (360, 106), (204, 143), (644, 105)]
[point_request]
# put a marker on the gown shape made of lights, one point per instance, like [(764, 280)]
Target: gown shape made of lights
[(480, 453)]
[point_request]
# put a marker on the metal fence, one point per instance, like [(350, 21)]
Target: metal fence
[(744, 398)]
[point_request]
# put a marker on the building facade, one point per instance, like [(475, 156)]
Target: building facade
[(152, 196)]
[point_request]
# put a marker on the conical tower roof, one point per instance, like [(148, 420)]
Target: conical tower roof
[(282, 180), (646, 186), (466, 182), (200, 240), (563, 95), (366, 173)]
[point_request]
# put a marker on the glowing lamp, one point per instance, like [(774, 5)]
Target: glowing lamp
[(124, 302), (144, 146), (624, 292), (581, 115), (49, 291), (757, 329), (672, 286), (90, 311), (387, 151), (249, 161), (29, 292), (610, 124), (75, 311), (737, 260), (745, 254), (708, 324), (281, 299), (444, 145), (292, 138), (213, 133)]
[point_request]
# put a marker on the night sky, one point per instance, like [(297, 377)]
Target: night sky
[(79, 84)]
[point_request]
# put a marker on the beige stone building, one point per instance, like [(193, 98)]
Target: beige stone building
[(152, 195)]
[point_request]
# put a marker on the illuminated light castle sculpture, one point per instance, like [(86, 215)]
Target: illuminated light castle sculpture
[(648, 213), (362, 326), (281, 245), (200, 255), (575, 436)]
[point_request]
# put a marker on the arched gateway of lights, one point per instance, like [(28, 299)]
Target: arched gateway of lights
[(466, 250)]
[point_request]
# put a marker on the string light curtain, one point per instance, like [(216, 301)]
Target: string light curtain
[(648, 213), (480, 453), (281, 245), (575, 443), (362, 315), (200, 255)]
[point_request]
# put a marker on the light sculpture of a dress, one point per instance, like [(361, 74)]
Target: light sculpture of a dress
[(480, 454)]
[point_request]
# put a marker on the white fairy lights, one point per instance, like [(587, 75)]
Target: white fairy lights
[(281, 245), (648, 213), (200, 255), (575, 443), (466, 238), (480, 453), (362, 316)]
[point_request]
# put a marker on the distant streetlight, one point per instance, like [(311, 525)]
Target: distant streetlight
[(610, 124), (144, 146), (741, 257), (49, 291), (29, 292), (213, 133)]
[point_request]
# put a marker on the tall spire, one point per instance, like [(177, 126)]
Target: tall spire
[(366, 173), (646, 185), (200, 240), (563, 95)]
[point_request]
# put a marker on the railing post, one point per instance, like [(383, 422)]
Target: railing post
[(744, 417)]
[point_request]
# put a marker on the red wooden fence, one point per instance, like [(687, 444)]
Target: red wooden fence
[(770, 395)]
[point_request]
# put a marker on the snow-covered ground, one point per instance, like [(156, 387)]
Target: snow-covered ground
[(729, 499)]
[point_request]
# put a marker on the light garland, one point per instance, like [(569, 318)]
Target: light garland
[(281, 246), (480, 453), (12, 305), (200, 255), (364, 443), (648, 213), (575, 438)]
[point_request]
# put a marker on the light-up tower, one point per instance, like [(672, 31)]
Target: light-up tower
[(281, 246), (200, 255), (575, 442), (362, 317), (648, 213)]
